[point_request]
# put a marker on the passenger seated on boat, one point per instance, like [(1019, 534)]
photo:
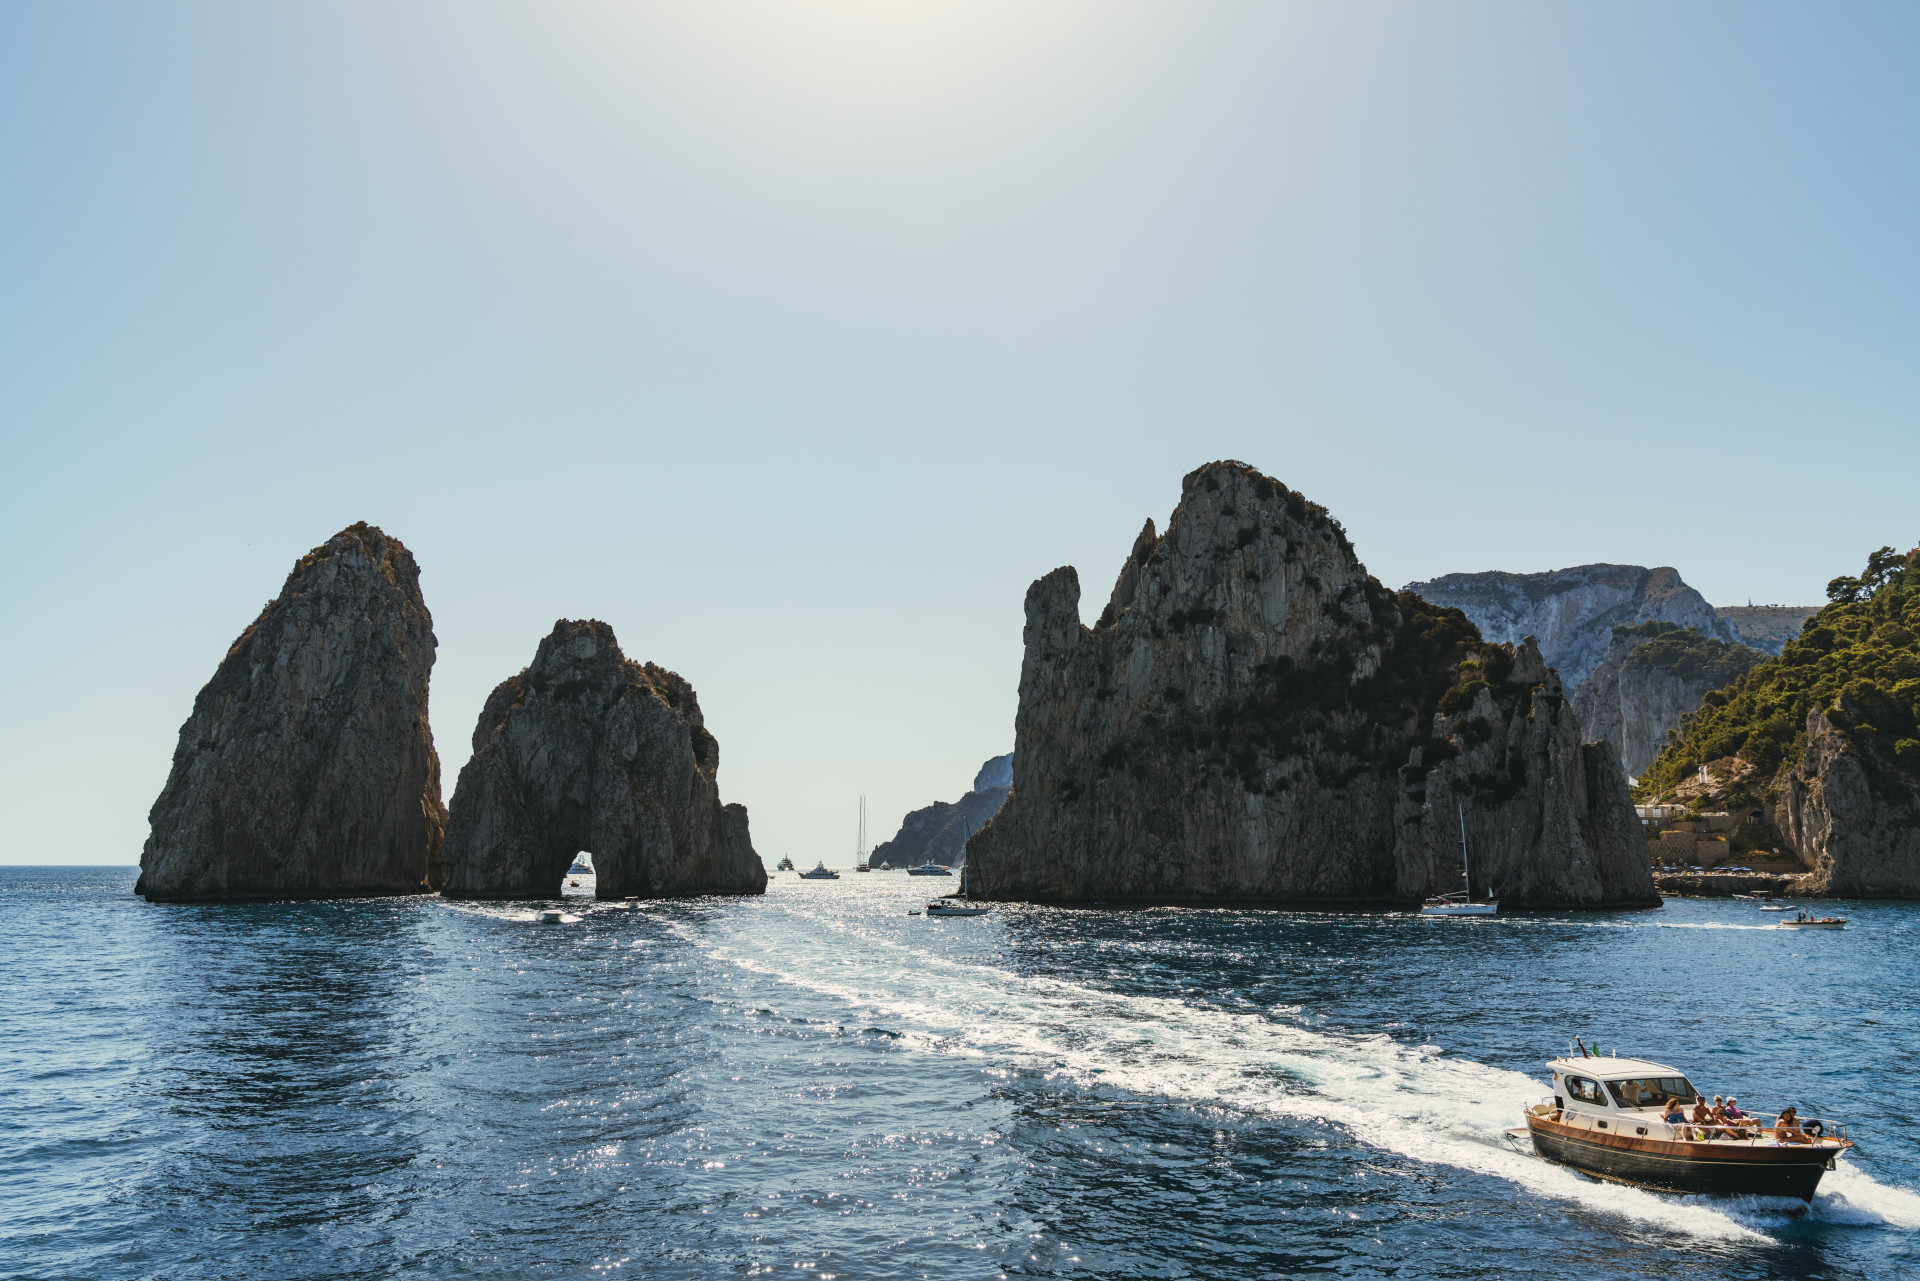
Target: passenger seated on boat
[(1702, 1119), (1676, 1113), (1787, 1128)]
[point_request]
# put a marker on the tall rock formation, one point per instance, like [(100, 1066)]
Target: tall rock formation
[(938, 833), (589, 750), (1853, 820), (1255, 718), (307, 768), (1571, 613), (1651, 677)]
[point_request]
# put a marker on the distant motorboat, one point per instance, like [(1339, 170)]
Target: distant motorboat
[(552, 916), (1776, 907), (784, 865), (582, 865), (1806, 921), (820, 872), (929, 869)]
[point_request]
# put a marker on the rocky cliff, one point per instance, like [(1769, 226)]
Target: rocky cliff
[(1852, 819), (307, 768), (938, 833), (1651, 677), (1767, 628), (1822, 744), (1571, 613), (589, 750), (1254, 717)]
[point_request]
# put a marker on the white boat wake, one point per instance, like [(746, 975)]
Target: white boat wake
[(1410, 1100)]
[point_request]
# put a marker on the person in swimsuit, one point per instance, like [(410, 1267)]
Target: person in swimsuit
[(1787, 1129), (1702, 1118), (1675, 1115)]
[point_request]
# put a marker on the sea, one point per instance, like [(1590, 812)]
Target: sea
[(817, 1083)]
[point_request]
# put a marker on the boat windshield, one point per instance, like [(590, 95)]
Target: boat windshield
[(1651, 1091)]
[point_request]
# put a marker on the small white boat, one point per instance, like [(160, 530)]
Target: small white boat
[(582, 865), (1805, 921), (945, 907), (784, 865), (929, 869), (1462, 902), (1776, 907), (554, 916), (820, 872)]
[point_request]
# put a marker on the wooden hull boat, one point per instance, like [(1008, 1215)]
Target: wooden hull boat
[(1747, 1167), (1606, 1119), (1824, 923)]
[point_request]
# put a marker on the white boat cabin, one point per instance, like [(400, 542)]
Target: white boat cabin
[(1627, 1096)]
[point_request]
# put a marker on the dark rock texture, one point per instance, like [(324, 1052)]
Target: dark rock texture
[(938, 833), (1651, 677), (1852, 819), (1255, 718), (307, 768), (588, 750), (1571, 613)]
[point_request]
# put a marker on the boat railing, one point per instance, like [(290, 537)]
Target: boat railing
[(1755, 1128)]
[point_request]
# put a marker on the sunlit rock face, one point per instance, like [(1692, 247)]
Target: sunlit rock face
[(1851, 814), (1255, 718), (1571, 613), (589, 750), (307, 768)]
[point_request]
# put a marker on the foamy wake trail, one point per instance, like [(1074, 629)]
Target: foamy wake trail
[(1411, 1101)]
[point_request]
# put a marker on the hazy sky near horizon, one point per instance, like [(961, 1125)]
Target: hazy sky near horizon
[(795, 340)]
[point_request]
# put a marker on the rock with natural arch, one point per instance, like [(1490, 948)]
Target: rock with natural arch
[(588, 750)]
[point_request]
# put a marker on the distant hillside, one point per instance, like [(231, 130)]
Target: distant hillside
[(1767, 627), (1571, 613), (1652, 675), (1823, 741), (938, 833)]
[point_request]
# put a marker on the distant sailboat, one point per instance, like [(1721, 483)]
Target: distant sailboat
[(1461, 904), (860, 847)]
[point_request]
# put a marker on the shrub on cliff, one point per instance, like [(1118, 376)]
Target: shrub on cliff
[(1858, 660)]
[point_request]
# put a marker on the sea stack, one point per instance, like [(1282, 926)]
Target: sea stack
[(307, 768), (588, 750), (1255, 718)]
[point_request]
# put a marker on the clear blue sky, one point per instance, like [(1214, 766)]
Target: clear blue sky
[(796, 340)]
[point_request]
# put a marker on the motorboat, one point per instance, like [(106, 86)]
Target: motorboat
[(1604, 1119), (1776, 907), (820, 872), (1461, 902), (554, 916), (582, 865), (1807, 921), (929, 869), (948, 907), (784, 865)]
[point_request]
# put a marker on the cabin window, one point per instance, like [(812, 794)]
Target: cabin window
[(1586, 1091), (1651, 1091)]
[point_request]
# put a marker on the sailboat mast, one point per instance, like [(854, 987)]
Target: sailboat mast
[(862, 851), (1466, 873)]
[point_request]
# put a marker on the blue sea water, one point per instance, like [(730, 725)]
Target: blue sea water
[(814, 1083)]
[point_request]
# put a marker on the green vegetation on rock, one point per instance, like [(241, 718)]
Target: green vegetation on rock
[(1686, 653), (1858, 660)]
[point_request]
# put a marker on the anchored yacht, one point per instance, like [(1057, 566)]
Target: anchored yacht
[(929, 869), (820, 872), (949, 907), (1604, 1119), (1461, 902)]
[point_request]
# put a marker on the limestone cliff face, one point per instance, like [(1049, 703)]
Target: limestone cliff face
[(1255, 718), (1854, 820), (588, 750), (938, 833), (1651, 677), (307, 768), (1767, 628), (1571, 613)]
